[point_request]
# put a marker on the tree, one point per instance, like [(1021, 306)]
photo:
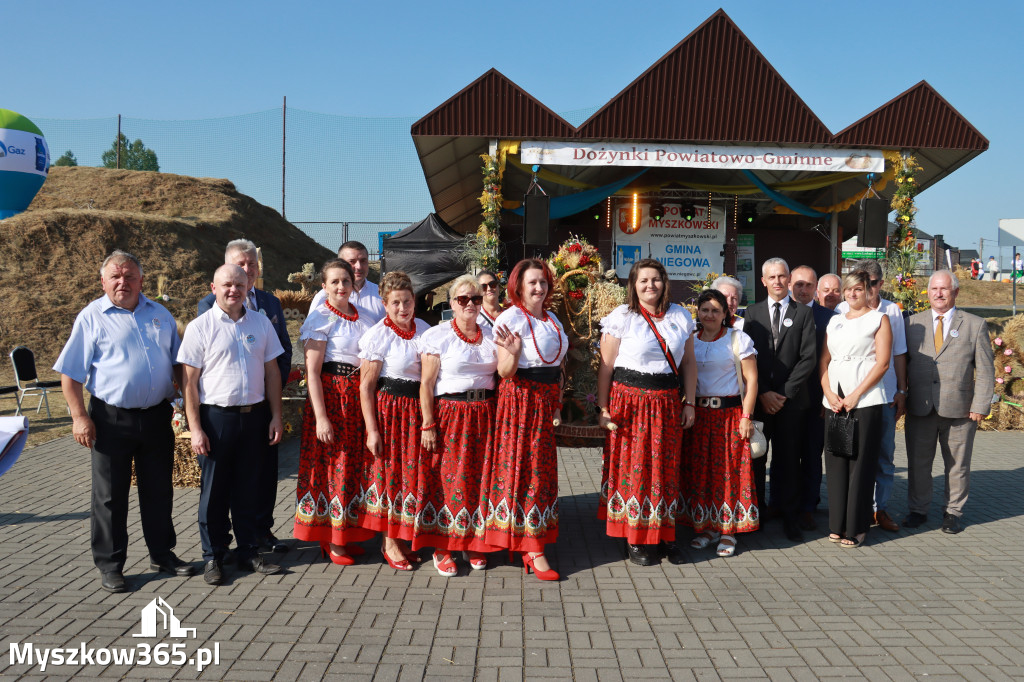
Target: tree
[(134, 156), (66, 159)]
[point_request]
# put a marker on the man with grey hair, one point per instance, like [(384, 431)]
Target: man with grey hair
[(122, 348), (894, 384), (829, 292), (783, 334), (243, 253), (732, 289), (950, 379)]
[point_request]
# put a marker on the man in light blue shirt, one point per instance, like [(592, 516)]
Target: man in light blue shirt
[(122, 349)]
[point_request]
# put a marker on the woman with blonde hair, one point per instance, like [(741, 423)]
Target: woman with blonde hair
[(457, 399), (389, 393)]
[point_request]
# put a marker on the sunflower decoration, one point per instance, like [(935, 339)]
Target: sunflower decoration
[(901, 256)]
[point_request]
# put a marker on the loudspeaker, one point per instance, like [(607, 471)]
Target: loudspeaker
[(872, 223), (535, 219)]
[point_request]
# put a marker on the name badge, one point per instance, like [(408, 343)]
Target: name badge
[(250, 339), (787, 322), (156, 323), (954, 333)]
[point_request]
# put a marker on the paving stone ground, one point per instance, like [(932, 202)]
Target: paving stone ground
[(913, 605)]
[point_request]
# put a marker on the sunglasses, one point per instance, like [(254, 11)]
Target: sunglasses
[(493, 284), (874, 282), (466, 300)]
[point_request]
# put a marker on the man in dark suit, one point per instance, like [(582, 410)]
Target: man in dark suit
[(783, 335), (803, 287), (242, 252)]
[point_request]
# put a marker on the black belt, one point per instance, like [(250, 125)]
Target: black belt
[(242, 409), (472, 395), (134, 410), (342, 369), (543, 375), (405, 388), (716, 403), (631, 377)]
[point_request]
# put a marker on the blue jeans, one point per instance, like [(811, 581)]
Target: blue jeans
[(886, 459)]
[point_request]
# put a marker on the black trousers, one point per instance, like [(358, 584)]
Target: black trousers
[(784, 430), (230, 477), (267, 494), (810, 458), (851, 482), (122, 436)]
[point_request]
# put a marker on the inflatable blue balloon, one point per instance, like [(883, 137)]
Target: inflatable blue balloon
[(24, 162)]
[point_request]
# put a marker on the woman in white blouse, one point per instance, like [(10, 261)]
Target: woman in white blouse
[(389, 393), (521, 482), (459, 363), (332, 452), (854, 359), (718, 482), (640, 402)]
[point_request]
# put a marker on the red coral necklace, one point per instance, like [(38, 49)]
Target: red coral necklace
[(533, 335), (458, 333), (351, 318), (388, 322)]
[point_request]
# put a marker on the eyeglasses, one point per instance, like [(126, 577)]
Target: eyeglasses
[(493, 284), (466, 300), (874, 282)]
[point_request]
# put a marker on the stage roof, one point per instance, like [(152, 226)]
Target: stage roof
[(714, 87)]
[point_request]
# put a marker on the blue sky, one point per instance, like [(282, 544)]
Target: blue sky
[(194, 60)]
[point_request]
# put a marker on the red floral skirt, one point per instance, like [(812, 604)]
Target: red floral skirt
[(717, 482), (389, 505), (330, 483), (640, 477), (450, 515), (519, 487)]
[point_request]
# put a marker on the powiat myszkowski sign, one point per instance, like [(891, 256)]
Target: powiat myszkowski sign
[(689, 249)]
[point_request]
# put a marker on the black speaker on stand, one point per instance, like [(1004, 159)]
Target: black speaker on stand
[(872, 223), (536, 209)]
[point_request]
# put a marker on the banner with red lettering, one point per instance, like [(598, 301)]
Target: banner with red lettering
[(550, 153), (689, 249)]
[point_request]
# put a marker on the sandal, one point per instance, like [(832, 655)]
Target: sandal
[(705, 539), (445, 565), (477, 560), (855, 541), (835, 537), (727, 546)]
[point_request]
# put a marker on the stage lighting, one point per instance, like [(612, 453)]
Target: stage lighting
[(749, 213), (597, 211), (689, 211), (657, 211)]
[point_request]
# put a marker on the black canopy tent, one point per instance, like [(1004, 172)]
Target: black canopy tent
[(427, 251)]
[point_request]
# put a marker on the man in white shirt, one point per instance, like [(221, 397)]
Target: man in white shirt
[(993, 269), (233, 404), (732, 289), (365, 293), (895, 385)]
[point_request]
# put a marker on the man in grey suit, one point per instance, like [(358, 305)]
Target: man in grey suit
[(950, 378)]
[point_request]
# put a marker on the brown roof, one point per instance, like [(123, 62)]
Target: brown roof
[(714, 86)]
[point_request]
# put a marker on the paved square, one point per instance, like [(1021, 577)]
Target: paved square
[(911, 605)]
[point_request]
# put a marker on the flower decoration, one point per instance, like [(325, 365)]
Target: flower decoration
[(288, 427), (901, 257), (999, 380), (998, 341), (1007, 369), (1007, 352)]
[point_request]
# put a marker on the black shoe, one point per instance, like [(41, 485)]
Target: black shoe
[(672, 552), (227, 557), (212, 574), (256, 564), (914, 520), (113, 581), (792, 531), (272, 544), (171, 564), (806, 521), (951, 524), (641, 555)]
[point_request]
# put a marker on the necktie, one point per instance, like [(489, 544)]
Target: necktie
[(775, 324), (938, 336), (250, 301)]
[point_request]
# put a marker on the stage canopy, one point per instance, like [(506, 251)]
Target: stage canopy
[(427, 251)]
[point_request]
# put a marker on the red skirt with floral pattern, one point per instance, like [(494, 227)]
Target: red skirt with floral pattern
[(640, 477), (330, 483), (519, 488), (389, 505), (450, 515), (717, 480)]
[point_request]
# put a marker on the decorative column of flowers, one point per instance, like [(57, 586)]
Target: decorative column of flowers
[(1008, 413), (901, 256), (583, 295), (482, 250)]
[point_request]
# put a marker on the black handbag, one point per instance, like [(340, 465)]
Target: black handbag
[(840, 435)]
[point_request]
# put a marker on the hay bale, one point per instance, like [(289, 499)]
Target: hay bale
[(186, 466)]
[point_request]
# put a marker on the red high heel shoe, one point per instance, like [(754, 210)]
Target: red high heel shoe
[(528, 560), (477, 560), (400, 565), (340, 559)]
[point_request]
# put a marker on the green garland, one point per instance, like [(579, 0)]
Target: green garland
[(901, 256)]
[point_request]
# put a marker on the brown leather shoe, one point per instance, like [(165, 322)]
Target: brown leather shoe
[(885, 522)]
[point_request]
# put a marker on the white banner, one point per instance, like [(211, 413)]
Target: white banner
[(23, 152), (702, 156), (687, 249)]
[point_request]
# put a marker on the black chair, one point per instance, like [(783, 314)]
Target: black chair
[(24, 362), (11, 392)]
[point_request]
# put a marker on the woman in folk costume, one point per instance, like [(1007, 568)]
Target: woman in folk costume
[(646, 356), (490, 289), (520, 487)]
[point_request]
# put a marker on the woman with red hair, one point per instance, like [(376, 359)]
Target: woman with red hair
[(520, 484)]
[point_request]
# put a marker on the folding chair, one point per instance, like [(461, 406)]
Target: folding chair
[(24, 362), (11, 392)]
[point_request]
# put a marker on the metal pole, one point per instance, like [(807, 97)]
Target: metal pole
[(344, 233), (284, 146), (118, 164), (1013, 278)]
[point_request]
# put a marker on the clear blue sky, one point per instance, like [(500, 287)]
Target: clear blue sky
[(192, 60)]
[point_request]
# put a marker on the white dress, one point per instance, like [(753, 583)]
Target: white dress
[(638, 347), (851, 343), (463, 366)]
